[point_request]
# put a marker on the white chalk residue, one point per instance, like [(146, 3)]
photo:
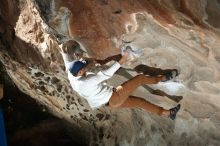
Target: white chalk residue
[(172, 88), (134, 51)]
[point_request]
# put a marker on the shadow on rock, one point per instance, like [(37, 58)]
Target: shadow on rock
[(152, 72)]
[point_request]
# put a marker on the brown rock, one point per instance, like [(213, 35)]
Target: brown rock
[(1, 91)]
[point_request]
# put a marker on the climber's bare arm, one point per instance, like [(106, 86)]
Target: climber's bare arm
[(64, 51), (115, 57), (124, 58)]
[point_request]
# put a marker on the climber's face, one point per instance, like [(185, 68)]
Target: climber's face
[(82, 72)]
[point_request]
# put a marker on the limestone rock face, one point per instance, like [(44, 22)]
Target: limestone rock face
[(181, 34)]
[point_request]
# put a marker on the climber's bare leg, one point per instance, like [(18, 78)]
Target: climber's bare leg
[(137, 102), (121, 94)]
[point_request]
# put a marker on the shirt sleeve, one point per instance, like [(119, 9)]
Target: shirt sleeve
[(103, 74), (111, 70)]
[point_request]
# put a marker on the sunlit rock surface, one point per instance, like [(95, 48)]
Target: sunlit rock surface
[(165, 34)]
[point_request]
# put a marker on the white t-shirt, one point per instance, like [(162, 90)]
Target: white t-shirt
[(91, 86)]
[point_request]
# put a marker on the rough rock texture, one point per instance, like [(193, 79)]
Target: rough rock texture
[(166, 34)]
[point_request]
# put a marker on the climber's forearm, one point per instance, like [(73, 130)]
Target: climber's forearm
[(124, 58), (106, 60)]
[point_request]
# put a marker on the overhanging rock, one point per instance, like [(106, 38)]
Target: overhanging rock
[(30, 34)]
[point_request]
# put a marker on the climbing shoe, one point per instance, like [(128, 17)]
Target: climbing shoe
[(171, 75), (173, 112)]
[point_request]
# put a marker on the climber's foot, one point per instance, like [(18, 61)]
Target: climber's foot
[(171, 75), (174, 111)]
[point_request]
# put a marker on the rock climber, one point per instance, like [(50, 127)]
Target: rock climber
[(92, 87)]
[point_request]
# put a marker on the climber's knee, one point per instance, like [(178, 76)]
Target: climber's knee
[(115, 101), (113, 104)]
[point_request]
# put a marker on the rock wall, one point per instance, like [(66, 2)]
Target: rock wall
[(165, 34)]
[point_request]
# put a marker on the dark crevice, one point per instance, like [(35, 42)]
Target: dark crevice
[(28, 123)]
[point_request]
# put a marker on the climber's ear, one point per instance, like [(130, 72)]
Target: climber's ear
[(81, 72)]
